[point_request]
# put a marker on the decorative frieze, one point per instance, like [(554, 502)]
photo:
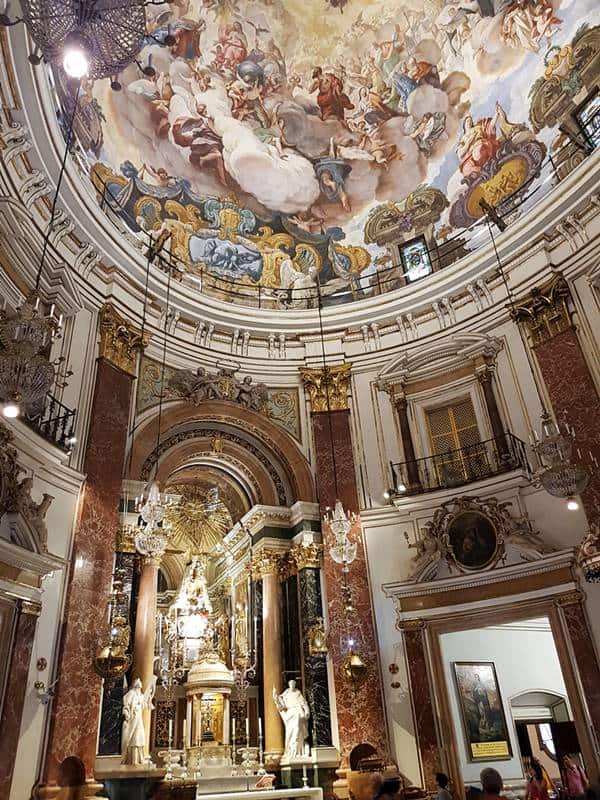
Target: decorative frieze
[(120, 341), (327, 388)]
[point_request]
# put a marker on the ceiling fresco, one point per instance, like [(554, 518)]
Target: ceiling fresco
[(274, 135)]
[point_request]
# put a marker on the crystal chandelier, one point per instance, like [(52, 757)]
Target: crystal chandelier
[(93, 38), (557, 473), (26, 371), (152, 536), (342, 551)]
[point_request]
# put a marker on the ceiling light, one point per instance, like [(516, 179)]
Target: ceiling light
[(11, 409), (572, 504), (75, 58)]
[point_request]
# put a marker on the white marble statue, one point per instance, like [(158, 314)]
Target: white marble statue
[(294, 712), (133, 737)]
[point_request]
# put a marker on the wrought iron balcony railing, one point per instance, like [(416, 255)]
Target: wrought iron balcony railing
[(459, 467), (55, 422)]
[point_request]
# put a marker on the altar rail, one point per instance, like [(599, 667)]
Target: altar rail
[(443, 251), (310, 792)]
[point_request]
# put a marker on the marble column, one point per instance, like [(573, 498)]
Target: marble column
[(546, 317), (573, 614), (485, 376), (266, 566), (422, 702), (360, 710), (71, 750), (408, 448), (145, 630), (309, 559), (16, 686)]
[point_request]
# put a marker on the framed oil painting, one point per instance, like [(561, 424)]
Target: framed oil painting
[(482, 713), (473, 540)]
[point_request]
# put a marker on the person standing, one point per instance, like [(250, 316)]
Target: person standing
[(574, 778), (536, 788), (442, 781)]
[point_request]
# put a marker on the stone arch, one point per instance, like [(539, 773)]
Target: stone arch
[(256, 441)]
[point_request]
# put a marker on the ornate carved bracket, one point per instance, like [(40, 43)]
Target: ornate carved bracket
[(120, 340), (545, 312), (327, 388)]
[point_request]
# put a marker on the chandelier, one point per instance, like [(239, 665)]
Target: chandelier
[(342, 551), (152, 536), (26, 371), (557, 472), (92, 38)]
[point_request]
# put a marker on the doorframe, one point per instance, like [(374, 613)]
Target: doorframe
[(514, 611)]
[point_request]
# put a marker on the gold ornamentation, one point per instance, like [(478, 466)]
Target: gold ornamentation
[(410, 624), (30, 607), (354, 670), (120, 340), (266, 563), (506, 181), (307, 555), (199, 521), (573, 598), (316, 638), (125, 540), (328, 387), (545, 313)]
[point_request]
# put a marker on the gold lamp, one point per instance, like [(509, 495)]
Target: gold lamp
[(354, 669)]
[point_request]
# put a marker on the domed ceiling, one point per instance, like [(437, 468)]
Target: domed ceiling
[(277, 140)]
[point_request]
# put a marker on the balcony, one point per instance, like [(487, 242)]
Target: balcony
[(55, 423), (459, 467)]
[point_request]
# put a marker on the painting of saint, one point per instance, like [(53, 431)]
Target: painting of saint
[(473, 540), (482, 712)]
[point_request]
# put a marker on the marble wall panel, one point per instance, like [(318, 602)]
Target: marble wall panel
[(360, 711), (572, 390), (10, 722), (315, 666), (585, 656), (422, 705), (291, 628), (75, 711)]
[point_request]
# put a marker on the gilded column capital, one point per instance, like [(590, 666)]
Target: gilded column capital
[(327, 388), (120, 340), (545, 312), (266, 563), (125, 539), (573, 598), (30, 607), (411, 625), (307, 555)]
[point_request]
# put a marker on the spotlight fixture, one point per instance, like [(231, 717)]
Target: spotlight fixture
[(11, 410), (572, 504), (76, 62)]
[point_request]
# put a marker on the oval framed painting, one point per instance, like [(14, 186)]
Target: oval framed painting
[(473, 539)]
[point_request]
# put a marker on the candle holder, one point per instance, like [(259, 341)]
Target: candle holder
[(304, 776), (261, 754), (249, 760)]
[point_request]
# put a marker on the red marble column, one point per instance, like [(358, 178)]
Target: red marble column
[(571, 388), (71, 750), (10, 722), (585, 656), (360, 713), (422, 702)]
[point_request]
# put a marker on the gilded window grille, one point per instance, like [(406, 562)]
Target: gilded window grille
[(454, 436)]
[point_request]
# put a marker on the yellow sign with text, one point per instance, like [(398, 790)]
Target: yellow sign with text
[(490, 749)]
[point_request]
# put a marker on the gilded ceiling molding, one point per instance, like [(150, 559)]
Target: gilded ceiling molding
[(545, 312), (120, 340), (327, 388), (307, 555)]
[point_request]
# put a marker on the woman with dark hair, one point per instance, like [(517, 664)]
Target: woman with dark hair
[(574, 778), (536, 788), (442, 781)]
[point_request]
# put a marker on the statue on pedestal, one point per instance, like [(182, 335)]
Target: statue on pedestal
[(133, 737), (295, 713)]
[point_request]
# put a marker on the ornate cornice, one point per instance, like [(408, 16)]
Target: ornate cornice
[(327, 388), (307, 555), (120, 340), (545, 312)]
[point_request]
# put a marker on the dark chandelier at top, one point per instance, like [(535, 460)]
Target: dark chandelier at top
[(89, 38)]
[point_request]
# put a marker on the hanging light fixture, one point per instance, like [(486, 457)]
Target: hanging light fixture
[(342, 551), (87, 38), (557, 473), (27, 371)]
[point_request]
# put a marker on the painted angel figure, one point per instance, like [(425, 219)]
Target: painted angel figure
[(133, 737)]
